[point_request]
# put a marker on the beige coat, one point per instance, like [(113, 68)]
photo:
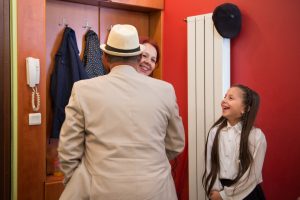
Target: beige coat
[(120, 131)]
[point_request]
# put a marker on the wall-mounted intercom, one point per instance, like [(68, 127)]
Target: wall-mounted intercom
[(33, 78), (33, 71)]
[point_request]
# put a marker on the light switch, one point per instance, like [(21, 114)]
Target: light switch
[(35, 118)]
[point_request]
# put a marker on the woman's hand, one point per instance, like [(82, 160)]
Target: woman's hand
[(215, 195)]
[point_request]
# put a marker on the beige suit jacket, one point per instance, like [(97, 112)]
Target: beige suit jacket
[(120, 131)]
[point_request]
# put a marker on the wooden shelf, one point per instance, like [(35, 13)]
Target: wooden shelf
[(135, 5), (51, 179)]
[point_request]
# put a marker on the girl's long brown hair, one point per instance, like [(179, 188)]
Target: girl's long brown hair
[(251, 101)]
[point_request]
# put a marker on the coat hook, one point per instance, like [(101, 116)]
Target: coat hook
[(63, 22), (87, 25)]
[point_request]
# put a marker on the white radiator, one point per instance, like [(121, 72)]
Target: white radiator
[(208, 80)]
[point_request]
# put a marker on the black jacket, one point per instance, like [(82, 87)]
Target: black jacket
[(67, 70)]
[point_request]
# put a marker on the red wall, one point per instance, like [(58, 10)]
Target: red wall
[(266, 57)]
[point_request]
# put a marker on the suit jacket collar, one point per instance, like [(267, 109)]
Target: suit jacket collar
[(123, 69)]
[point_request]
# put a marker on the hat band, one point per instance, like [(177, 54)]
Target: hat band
[(109, 48)]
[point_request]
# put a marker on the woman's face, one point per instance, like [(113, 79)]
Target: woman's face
[(148, 60)]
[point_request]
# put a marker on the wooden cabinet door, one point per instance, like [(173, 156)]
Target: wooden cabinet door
[(111, 16)]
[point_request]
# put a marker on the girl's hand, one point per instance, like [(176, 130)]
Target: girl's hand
[(215, 195)]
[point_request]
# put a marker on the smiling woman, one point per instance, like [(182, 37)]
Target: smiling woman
[(150, 57)]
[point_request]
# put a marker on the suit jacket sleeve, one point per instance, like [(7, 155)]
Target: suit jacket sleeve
[(71, 141), (175, 138)]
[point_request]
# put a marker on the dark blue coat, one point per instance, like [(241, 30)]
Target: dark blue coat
[(67, 70)]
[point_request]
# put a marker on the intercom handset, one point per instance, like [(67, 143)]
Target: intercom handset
[(33, 78), (33, 71)]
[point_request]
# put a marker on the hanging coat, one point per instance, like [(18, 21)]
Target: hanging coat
[(92, 56), (67, 70)]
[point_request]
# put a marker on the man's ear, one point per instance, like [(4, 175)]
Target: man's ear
[(105, 62)]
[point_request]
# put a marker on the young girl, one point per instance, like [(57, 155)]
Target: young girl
[(235, 149)]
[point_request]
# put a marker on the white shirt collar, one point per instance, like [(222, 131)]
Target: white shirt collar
[(123, 68), (237, 127)]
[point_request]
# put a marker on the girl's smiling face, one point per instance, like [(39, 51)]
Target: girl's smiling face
[(233, 105)]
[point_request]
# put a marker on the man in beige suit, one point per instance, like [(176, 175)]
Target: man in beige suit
[(120, 130)]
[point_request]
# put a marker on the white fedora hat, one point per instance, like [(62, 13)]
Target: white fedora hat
[(123, 40)]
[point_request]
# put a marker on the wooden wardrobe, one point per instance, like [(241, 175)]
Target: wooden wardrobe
[(40, 26)]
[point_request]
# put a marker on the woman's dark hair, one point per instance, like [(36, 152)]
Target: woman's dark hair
[(251, 101), (144, 40)]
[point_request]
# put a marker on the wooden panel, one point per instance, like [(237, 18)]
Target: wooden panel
[(31, 139), (110, 16), (137, 5), (53, 188), (58, 12), (156, 4), (140, 5), (5, 106), (156, 34), (86, 2)]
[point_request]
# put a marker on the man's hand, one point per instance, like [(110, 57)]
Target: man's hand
[(215, 195)]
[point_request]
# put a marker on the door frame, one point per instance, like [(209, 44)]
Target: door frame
[(5, 101)]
